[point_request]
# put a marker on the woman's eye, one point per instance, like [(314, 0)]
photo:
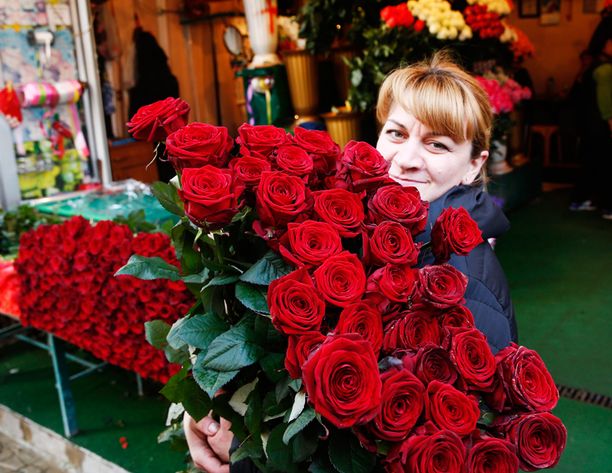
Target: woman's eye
[(395, 134), (436, 145)]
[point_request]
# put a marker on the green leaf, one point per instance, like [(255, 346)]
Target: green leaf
[(234, 349), (198, 278), (305, 444), (145, 268), (197, 331), (252, 297), (298, 424), (185, 390), (254, 414), (168, 197), (279, 455), (156, 332), (222, 280), (347, 455), (266, 270), (273, 365), (248, 449), (211, 380)]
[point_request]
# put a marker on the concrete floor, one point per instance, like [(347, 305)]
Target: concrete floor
[(17, 458)]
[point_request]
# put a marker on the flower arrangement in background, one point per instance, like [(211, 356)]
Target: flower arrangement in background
[(442, 21), (317, 335), (67, 288)]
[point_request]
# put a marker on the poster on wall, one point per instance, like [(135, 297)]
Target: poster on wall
[(550, 12)]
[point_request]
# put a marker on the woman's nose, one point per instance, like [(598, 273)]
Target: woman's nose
[(408, 156)]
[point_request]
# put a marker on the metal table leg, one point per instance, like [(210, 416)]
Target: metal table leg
[(62, 383)]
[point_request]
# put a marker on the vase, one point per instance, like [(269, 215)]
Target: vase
[(303, 83), (497, 158), (343, 127), (263, 31)]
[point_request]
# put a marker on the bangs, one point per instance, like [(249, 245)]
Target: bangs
[(439, 103)]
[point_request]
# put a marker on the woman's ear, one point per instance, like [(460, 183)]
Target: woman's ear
[(474, 168)]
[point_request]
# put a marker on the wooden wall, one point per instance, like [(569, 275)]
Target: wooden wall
[(190, 48)]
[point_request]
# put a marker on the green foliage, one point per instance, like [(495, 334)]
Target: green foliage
[(168, 197), (16, 223), (149, 268), (347, 455), (137, 221)]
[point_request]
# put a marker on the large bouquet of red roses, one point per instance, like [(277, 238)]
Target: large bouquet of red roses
[(67, 288), (317, 334)]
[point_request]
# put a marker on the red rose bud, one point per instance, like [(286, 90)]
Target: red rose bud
[(470, 353), (341, 209), (362, 167), (248, 169), (395, 282), (299, 349), (364, 319), (441, 286), (320, 146), (492, 455), (341, 279), (155, 121), (525, 380), (458, 316), (281, 198), (439, 452), (433, 363), (454, 232), (414, 329), (310, 243), (294, 161), (198, 144), (399, 204), (295, 305), (401, 405), (451, 409), (539, 439), (260, 140), (390, 242), (342, 380), (211, 196), (398, 15)]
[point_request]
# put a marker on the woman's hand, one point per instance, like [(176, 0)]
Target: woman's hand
[(209, 443)]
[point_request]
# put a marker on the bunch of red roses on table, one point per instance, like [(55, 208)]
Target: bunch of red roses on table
[(9, 289), (68, 289), (383, 354)]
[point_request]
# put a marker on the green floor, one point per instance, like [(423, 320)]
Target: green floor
[(559, 267)]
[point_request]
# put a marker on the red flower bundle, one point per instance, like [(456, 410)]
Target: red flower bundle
[(336, 321), (68, 288)]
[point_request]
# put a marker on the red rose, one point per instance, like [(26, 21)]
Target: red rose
[(211, 195), (364, 319), (248, 169), (341, 209), (539, 439), (525, 379), (295, 305), (320, 146), (441, 286), (396, 282), (299, 349), (310, 243), (492, 455), (401, 405), (399, 204), (341, 279), (342, 380), (458, 316), (362, 167), (155, 121), (260, 140), (198, 144), (451, 409), (294, 161), (390, 242), (433, 363), (281, 198), (473, 358), (454, 232), (414, 329), (438, 452)]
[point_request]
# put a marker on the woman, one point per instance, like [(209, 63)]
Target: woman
[(436, 129)]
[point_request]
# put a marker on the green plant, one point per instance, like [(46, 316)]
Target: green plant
[(15, 223)]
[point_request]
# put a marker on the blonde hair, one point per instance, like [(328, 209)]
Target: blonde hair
[(445, 98)]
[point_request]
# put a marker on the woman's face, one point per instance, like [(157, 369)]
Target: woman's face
[(423, 158)]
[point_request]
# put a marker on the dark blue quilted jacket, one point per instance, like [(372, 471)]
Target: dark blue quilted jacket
[(487, 295)]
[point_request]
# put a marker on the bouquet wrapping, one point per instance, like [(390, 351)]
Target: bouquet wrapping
[(316, 333)]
